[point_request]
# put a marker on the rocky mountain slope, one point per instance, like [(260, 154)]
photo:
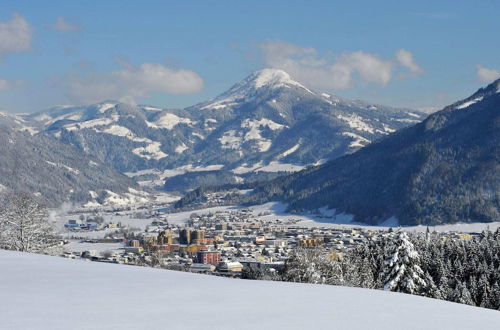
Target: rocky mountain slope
[(443, 170)]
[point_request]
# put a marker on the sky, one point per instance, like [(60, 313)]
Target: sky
[(415, 54)]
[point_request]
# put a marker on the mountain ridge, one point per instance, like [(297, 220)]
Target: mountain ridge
[(444, 169), (264, 122)]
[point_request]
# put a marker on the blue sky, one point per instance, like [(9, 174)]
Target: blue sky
[(423, 54)]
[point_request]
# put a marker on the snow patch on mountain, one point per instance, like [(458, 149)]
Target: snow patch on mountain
[(102, 108), (280, 167), (356, 122), (133, 196), (266, 79), (274, 166), (469, 103), (150, 151), (413, 115), (275, 78), (198, 135), (230, 140), (255, 133), (358, 141), (90, 124), (169, 121), (181, 148), (289, 151)]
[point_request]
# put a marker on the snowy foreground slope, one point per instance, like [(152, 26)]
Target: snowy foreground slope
[(42, 292)]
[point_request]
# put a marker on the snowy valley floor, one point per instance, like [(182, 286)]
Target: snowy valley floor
[(42, 292)]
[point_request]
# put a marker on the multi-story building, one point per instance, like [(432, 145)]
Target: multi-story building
[(185, 236), (208, 257)]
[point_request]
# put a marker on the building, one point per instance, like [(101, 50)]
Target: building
[(230, 266), (221, 226), (165, 237), (208, 257), (75, 224), (185, 236), (198, 237)]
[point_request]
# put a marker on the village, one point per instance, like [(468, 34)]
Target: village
[(224, 242)]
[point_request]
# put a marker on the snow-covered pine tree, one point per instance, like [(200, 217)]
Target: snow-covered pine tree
[(401, 271), (462, 295)]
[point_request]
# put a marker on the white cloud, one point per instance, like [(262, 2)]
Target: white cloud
[(15, 35), (131, 83), (341, 72), (405, 58), (4, 85), (64, 26), (487, 75)]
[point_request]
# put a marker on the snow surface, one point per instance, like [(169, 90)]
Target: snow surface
[(151, 151), (289, 151), (181, 148), (275, 78), (356, 122), (131, 197), (280, 167), (89, 124), (169, 121), (267, 79), (469, 103), (358, 141), (42, 292), (230, 140), (271, 167), (105, 107)]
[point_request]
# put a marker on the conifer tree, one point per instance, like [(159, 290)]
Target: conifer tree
[(402, 272)]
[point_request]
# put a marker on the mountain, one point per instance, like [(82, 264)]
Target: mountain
[(268, 122), (42, 292), (443, 170), (56, 172)]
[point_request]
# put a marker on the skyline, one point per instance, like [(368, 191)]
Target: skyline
[(175, 55)]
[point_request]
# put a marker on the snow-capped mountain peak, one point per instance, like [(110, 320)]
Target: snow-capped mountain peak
[(259, 82), (274, 78)]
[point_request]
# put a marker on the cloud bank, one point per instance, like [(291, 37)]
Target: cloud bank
[(130, 83), (487, 75), (15, 36), (341, 72)]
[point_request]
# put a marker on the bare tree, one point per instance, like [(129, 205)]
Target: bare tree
[(24, 225)]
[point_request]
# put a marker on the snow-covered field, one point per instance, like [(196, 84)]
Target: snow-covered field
[(42, 292)]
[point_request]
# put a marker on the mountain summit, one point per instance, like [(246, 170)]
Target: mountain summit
[(258, 83)]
